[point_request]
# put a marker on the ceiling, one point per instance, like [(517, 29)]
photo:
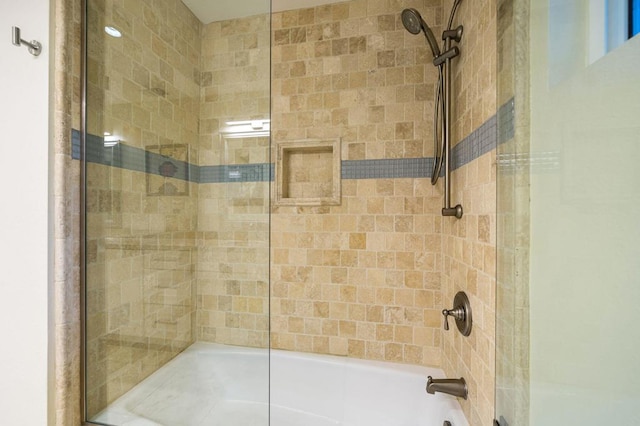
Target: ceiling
[(221, 10)]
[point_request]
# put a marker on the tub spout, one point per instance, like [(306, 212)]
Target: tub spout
[(455, 387)]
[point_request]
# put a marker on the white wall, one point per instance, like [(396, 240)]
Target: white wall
[(24, 251)]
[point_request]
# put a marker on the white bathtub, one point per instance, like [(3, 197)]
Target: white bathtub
[(211, 384)]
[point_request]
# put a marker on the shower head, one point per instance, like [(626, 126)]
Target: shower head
[(411, 20), (414, 23)]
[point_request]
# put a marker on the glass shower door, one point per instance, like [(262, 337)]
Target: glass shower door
[(573, 331), (177, 215)]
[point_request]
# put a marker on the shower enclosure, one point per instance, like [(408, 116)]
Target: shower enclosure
[(176, 177)]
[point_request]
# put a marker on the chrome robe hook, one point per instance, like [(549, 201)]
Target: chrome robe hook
[(35, 48)]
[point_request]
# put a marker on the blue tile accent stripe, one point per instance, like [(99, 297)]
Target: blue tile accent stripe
[(478, 143), (261, 172), (506, 121), (130, 158), (153, 162), (498, 129), (387, 169), (76, 153)]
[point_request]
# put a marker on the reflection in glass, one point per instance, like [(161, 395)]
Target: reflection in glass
[(177, 247)]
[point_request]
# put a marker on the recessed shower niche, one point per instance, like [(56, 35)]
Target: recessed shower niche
[(308, 173)]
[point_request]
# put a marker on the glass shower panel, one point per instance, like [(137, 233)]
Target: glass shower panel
[(512, 314), (177, 213), (583, 347), (233, 266)]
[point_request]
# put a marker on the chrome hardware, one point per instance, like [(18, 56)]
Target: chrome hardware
[(455, 387), (35, 48), (461, 312)]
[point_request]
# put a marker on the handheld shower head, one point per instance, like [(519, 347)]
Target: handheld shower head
[(414, 23), (411, 20)]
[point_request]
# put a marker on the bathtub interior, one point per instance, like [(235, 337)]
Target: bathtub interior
[(207, 384), (357, 392), (211, 384)]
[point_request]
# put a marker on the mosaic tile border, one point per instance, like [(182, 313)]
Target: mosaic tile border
[(260, 172), (130, 158), (478, 143), (506, 121), (387, 168), (496, 130)]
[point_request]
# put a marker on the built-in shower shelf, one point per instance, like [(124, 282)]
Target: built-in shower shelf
[(308, 173)]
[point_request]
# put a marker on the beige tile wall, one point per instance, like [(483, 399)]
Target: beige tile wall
[(360, 279), (367, 278), (233, 218), (475, 69), (469, 264), (469, 244), (144, 89), (363, 278), (66, 211), (351, 70)]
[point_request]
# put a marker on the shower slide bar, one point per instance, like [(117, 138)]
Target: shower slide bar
[(414, 23), (35, 48), (448, 35)]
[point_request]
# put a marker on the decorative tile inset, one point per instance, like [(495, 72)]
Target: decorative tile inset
[(167, 170), (498, 129)]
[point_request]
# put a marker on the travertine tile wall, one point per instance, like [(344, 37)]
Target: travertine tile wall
[(233, 217), (363, 278), (360, 279), (469, 244), (366, 279), (474, 72), (66, 211), (351, 70), (143, 89)]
